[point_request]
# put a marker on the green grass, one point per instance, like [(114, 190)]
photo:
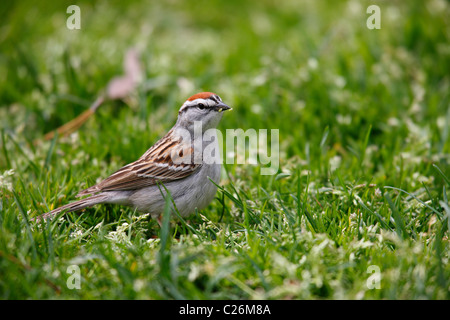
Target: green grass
[(364, 119)]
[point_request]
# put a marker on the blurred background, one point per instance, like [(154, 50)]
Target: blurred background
[(300, 66)]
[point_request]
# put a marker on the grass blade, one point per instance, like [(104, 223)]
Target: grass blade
[(376, 214), (399, 224), (364, 146), (447, 180), (426, 205), (5, 151), (27, 223)]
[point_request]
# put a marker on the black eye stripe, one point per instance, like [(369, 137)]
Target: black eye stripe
[(215, 98)]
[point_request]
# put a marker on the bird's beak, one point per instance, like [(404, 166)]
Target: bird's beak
[(222, 107)]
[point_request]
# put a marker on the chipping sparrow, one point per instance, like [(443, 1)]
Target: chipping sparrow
[(176, 161)]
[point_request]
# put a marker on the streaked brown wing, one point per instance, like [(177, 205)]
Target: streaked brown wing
[(157, 164)]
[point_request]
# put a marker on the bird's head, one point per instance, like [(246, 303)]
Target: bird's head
[(206, 107)]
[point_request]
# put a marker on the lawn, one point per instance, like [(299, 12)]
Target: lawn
[(358, 208)]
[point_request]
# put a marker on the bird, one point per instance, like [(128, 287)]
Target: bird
[(176, 163)]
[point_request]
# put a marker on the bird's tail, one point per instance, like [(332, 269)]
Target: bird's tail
[(75, 206)]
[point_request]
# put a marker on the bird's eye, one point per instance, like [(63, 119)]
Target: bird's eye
[(201, 106)]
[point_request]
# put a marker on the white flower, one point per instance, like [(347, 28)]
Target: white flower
[(335, 162), (5, 179), (313, 63)]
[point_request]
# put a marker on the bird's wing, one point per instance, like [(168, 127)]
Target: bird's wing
[(166, 161)]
